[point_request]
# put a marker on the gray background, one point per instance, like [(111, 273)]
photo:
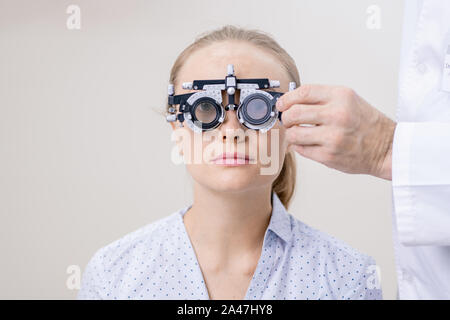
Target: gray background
[(85, 159)]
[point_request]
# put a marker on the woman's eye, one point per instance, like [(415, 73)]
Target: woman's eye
[(205, 112)]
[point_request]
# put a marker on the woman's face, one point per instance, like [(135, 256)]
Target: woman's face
[(266, 150)]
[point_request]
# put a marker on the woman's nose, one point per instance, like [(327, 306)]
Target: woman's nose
[(231, 128)]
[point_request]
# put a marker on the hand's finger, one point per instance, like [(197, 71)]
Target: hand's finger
[(311, 152), (305, 94), (305, 135), (303, 114)]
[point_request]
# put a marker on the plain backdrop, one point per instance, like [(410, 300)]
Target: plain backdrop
[(85, 159)]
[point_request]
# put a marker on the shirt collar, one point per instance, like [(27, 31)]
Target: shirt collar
[(280, 221)]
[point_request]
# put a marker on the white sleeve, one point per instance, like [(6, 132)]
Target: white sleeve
[(421, 182)]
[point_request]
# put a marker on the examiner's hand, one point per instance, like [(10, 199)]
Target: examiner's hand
[(349, 134)]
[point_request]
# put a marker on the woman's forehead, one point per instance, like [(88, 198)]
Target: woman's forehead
[(249, 62)]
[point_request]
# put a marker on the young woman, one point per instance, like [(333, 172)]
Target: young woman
[(236, 240)]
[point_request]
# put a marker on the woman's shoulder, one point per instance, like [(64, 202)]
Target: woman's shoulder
[(350, 273), (144, 238), (122, 255), (306, 236)]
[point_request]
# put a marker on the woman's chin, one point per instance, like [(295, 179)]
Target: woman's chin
[(228, 179), (233, 181)]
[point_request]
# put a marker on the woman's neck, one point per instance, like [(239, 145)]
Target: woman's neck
[(229, 224)]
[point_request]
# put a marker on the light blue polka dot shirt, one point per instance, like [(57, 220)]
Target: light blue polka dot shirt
[(158, 261)]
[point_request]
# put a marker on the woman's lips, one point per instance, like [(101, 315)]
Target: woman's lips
[(231, 159)]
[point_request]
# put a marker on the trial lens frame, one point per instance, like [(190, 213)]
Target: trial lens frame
[(212, 90)]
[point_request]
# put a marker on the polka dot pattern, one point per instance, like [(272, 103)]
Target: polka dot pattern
[(158, 261)]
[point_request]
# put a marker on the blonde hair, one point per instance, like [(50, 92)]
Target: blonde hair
[(284, 184)]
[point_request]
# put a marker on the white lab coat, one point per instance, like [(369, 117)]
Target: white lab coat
[(421, 154)]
